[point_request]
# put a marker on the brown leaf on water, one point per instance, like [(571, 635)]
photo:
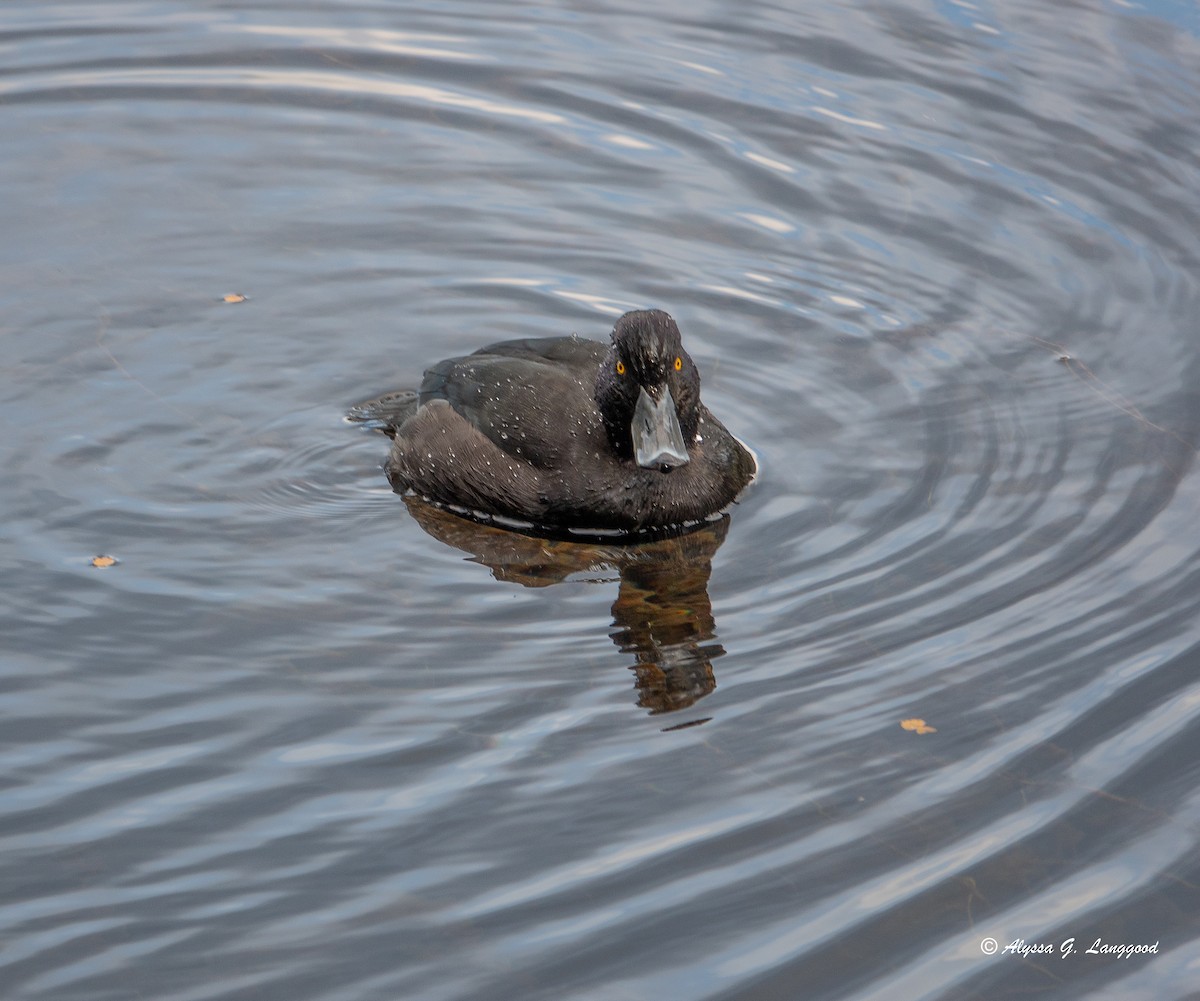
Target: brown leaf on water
[(234, 297), (104, 561), (917, 726)]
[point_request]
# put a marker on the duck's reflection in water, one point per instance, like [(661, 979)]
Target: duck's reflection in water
[(662, 616)]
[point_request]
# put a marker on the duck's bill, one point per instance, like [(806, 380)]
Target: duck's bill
[(657, 438)]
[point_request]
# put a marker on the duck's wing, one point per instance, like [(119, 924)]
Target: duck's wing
[(533, 399)]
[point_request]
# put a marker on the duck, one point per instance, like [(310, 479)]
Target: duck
[(569, 434)]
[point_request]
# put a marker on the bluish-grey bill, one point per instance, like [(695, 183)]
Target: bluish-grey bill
[(657, 438)]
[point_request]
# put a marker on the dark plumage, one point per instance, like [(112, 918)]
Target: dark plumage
[(566, 433)]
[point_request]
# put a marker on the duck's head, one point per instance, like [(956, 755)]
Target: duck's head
[(648, 391)]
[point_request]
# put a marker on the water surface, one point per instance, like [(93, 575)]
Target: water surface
[(938, 264)]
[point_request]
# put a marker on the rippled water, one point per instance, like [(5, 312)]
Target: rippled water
[(938, 263)]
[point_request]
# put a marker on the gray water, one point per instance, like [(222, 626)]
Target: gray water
[(938, 264)]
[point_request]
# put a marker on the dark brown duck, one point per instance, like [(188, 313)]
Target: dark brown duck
[(567, 433)]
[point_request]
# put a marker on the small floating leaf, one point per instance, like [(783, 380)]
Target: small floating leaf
[(234, 297), (917, 726), (104, 561)]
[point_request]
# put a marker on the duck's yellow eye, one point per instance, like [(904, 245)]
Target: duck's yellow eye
[(678, 364), (620, 367)]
